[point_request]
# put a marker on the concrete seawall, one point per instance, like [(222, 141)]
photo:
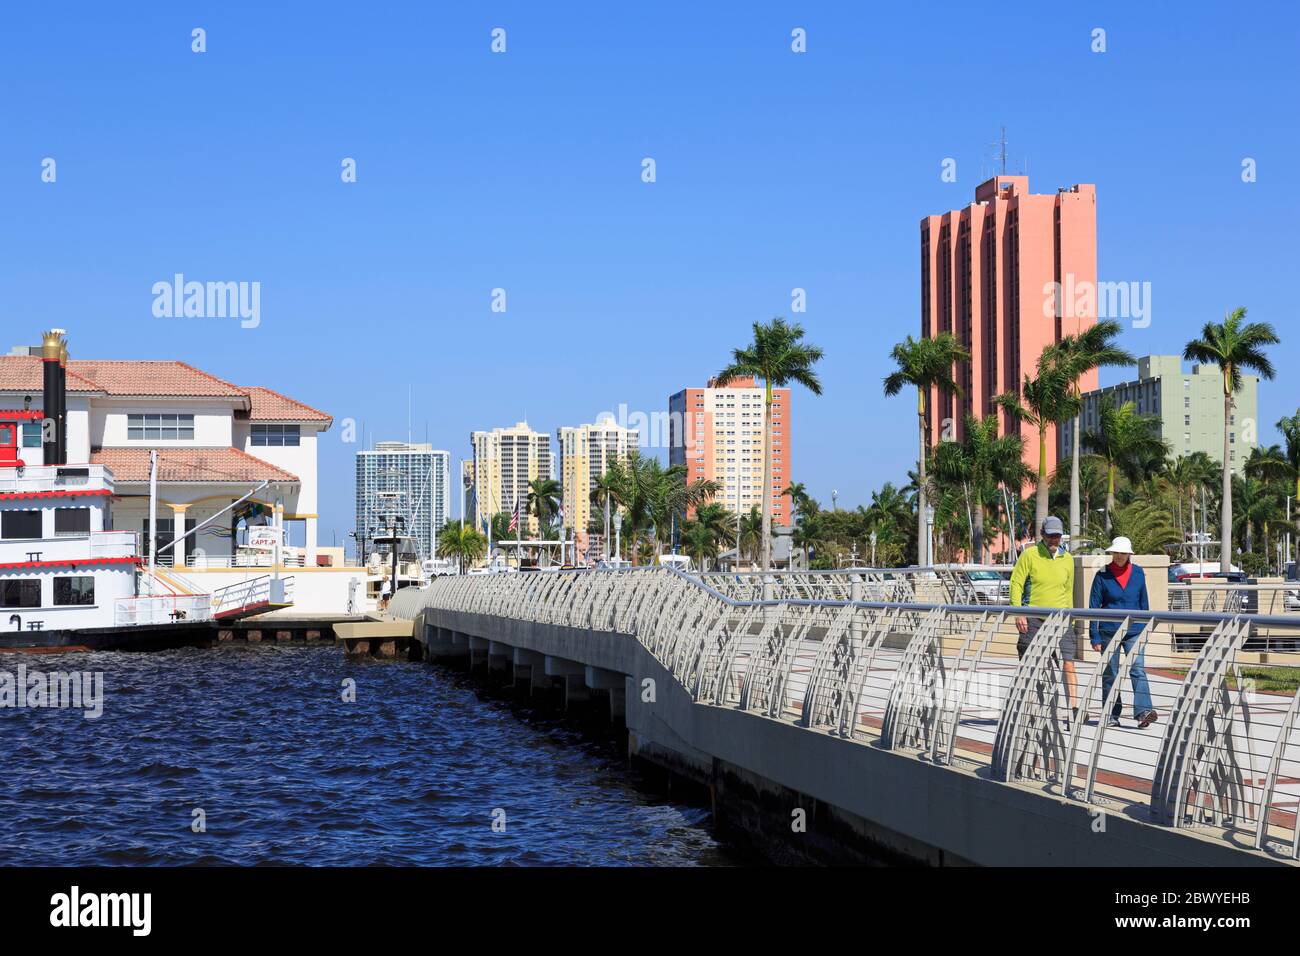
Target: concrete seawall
[(808, 795)]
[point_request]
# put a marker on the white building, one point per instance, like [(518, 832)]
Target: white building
[(215, 440), (413, 481)]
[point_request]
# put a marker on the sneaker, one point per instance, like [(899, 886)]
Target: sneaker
[(1082, 716), (1112, 722), (1147, 718)]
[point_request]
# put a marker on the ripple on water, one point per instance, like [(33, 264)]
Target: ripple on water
[(286, 773)]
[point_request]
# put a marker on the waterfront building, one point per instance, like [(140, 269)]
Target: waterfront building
[(505, 461), (586, 453), (215, 441), (410, 480), (1007, 275), (720, 434), (1189, 406)]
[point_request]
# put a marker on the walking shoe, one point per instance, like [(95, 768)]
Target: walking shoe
[(1147, 718), (1112, 722)]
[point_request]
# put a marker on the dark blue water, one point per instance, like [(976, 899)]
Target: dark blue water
[(286, 772)]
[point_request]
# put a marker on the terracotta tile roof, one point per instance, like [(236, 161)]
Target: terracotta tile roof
[(189, 464), (152, 378), (268, 405), (22, 373)]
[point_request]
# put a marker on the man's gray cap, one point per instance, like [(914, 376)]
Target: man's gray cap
[(1052, 525)]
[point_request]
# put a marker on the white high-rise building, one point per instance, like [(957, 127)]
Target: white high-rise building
[(413, 481)]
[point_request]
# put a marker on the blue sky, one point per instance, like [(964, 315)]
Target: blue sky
[(522, 171)]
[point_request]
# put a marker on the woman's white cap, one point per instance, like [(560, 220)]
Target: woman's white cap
[(1121, 545)]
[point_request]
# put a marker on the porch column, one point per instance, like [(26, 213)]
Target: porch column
[(180, 548)]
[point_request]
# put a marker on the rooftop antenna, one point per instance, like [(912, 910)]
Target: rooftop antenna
[(999, 158)]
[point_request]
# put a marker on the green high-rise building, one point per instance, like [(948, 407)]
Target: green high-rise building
[(1188, 404)]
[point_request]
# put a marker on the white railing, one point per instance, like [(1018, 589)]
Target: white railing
[(47, 478), (1209, 739), (218, 561), (263, 589), (161, 609), (114, 544)]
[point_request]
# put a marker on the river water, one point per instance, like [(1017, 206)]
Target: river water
[(255, 747)]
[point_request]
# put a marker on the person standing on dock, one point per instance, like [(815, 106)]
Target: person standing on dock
[(1122, 585), (1044, 577)]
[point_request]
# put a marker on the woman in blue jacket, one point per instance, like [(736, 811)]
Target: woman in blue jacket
[(1122, 585)]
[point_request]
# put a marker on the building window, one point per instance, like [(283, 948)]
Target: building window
[(160, 427), (1187, 419), (275, 435), (31, 434), (71, 521), (25, 593), (78, 590), (20, 524)]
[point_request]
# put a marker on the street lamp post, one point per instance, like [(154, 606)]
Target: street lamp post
[(929, 532), (873, 549), (618, 534)]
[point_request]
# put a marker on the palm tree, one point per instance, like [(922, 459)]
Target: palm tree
[(700, 542), (924, 365), (1256, 504), (543, 500), (461, 541), (798, 495), (1077, 355), (978, 463), (604, 492), (751, 535), (1289, 426), (1124, 441), (1233, 345), (1045, 400), (778, 356)]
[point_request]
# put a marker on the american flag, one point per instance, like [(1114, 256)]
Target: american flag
[(514, 518)]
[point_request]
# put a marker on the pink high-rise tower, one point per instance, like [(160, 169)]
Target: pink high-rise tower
[(990, 275)]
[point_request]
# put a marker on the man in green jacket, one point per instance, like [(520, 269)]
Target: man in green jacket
[(1044, 577)]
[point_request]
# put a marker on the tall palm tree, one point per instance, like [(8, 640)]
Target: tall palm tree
[(461, 541), (978, 463), (1044, 400), (1289, 426), (1234, 345), (1124, 441), (1077, 355), (543, 500), (751, 535), (924, 365), (604, 493), (797, 492), (778, 356)]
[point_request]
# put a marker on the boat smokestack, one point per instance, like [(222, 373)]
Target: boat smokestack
[(52, 358), (63, 400)]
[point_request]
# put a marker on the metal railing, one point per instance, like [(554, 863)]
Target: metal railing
[(263, 589), (1276, 597), (961, 685), (216, 561), (161, 609)]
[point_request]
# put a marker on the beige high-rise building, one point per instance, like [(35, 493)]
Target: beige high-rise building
[(505, 461), (586, 452), (719, 434)]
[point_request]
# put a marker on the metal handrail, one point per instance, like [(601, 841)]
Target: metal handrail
[(947, 683)]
